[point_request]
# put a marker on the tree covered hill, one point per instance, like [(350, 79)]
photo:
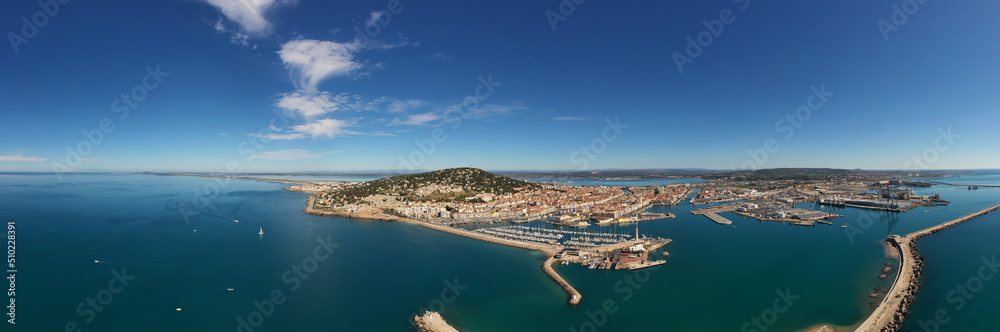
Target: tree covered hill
[(458, 181)]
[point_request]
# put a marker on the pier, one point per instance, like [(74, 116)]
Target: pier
[(716, 218), (574, 295), (889, 314)]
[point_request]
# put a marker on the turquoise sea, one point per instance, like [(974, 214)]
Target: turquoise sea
[(176, 239)]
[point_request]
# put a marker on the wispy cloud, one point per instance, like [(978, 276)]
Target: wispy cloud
[(490, 110), (442, 57), (482, 112), (310, 105), (292, 154), (420, 119), (249, 14), (19, 157), (401, 106), (323, 128), (569, 118), (311, 61)]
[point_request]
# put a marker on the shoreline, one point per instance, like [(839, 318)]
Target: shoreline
[(548, 250), (890, 313), (432, 321)]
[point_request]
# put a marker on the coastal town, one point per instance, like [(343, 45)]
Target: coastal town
[(480, 205), (458, 204)]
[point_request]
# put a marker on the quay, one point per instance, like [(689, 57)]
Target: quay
[(889, 314), (715, 217)]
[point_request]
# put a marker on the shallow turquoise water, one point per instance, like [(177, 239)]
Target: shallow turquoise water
[(717, 278)]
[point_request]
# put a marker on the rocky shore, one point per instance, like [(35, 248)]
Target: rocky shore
[(432, 322), (890, 313)]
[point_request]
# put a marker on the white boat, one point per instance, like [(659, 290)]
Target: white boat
[(261, 231)]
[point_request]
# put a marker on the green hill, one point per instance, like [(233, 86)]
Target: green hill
[(442, 185)]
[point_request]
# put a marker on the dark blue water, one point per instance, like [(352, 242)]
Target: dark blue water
[(717, 278)]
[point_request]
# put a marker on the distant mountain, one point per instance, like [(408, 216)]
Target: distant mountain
[(449, 183), (613, 173), (787, 174)]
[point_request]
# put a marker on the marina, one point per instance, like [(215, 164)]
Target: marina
[(554, 236)]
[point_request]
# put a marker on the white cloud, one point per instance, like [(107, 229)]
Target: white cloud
[(373, 20), (249, 14), (400, 106), (420, 119), (568, 118), (309, 105), (19, 157), (312, 104), (482, 112), (312, 61), (328, 128), (323, 128), (292, 154)]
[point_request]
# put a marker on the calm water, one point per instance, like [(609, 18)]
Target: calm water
[(717, 279)]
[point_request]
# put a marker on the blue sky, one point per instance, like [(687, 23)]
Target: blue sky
[(272, 86)]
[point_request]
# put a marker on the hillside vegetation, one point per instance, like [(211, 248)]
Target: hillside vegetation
[(446, 184)]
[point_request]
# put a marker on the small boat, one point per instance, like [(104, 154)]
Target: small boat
[(261, 231), (844, 226), (229, 289), (234, 220)]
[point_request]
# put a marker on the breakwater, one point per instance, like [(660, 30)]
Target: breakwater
[(890, 313), (574, 295)]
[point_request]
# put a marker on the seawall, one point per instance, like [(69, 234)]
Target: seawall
[(889, 315), (574, 295)]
